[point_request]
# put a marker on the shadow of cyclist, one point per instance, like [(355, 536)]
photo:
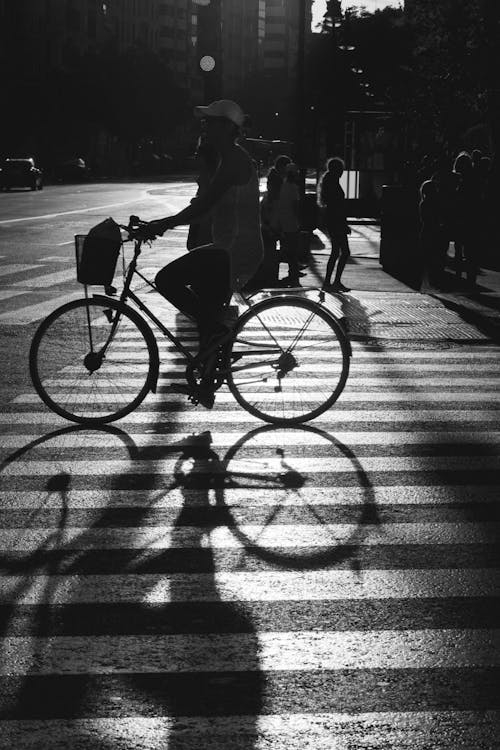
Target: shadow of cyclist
[(213, 656)]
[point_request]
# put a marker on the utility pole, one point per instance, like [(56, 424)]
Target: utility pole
[(300, 150)]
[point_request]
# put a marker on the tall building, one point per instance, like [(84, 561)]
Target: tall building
[(252, 43), (38, 36)]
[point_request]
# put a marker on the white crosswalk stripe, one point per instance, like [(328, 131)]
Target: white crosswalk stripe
[(193, 579)]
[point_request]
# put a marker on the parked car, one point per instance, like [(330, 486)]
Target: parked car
[(21, 173), (72, 170)]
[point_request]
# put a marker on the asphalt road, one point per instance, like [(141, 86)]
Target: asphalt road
[(194, 579), (37, 271)]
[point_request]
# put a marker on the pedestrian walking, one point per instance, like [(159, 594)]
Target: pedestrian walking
[(446, 187), (275, 179), (331, 199), (276, 176), (288, 214), (467, 219), (432, 234), (268, 273)]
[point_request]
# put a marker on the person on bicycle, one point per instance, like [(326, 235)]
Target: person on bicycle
[(200, 283)]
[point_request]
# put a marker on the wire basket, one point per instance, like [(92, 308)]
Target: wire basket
[(95, 260)]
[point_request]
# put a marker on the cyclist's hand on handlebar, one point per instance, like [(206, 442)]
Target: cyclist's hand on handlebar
[(156, 228)]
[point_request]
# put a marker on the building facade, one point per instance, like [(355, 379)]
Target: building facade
[(250, 41)]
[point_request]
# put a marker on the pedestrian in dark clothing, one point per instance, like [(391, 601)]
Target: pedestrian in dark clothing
[(289, 222), (275, 179), (276, 176), (467, 218), (432, 233), (446, 185), (331, 199)]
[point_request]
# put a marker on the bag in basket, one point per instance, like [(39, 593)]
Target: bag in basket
[(101, 247)]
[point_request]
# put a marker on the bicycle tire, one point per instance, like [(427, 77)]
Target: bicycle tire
[(295, 338), (63, 380)]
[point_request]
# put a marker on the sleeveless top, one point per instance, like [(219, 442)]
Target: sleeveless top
[(236, 228)]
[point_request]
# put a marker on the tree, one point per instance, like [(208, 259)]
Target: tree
[(452, 61), (360, 61)]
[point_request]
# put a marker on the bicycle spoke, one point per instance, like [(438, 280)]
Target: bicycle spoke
[(305, 372), (66, 379)]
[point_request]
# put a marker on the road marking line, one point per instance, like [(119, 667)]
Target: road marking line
[(32, 313), (447, 730), (236, 652), (158, 500), (269, 586), (8, 293), (354, 384), (265, 467), (15, 268), (47, 279), (313, 536), (237, 416), (79, 395), (283, 437), (66, 213)]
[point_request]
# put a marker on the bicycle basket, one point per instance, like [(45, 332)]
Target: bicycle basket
[(97, 253)]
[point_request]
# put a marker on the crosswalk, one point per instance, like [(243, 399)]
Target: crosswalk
[(187, 578), (30, 292)]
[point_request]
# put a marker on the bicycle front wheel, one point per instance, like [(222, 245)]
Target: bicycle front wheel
[(289, 360), (91, 361)]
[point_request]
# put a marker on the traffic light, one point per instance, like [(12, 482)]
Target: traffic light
[(209, 51)]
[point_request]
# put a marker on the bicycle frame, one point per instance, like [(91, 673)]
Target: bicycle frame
[(128, 294)]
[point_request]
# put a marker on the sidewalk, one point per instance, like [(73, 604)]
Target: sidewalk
[(380, 307)]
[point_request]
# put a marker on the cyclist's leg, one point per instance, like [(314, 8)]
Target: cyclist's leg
[(198, 284)]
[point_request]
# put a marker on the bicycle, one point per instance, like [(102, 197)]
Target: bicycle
[(95, 359)]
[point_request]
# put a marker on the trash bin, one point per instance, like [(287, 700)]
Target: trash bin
[(400, 254)]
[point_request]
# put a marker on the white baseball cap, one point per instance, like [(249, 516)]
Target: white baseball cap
[(222, 108)]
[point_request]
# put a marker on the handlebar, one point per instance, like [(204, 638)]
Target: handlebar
[(134, 227)]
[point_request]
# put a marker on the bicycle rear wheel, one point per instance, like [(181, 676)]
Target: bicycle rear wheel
[(289, 360), (74, 376)]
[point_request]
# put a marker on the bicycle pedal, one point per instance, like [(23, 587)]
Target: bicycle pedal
[(203, 396)]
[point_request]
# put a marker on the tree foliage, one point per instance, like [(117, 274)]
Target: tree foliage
[(450, 60), (433, 62)]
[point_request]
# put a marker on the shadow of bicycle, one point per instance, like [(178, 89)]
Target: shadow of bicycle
[(176, 517)]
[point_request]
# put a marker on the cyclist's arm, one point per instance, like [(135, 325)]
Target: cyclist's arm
[(226, 176)]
